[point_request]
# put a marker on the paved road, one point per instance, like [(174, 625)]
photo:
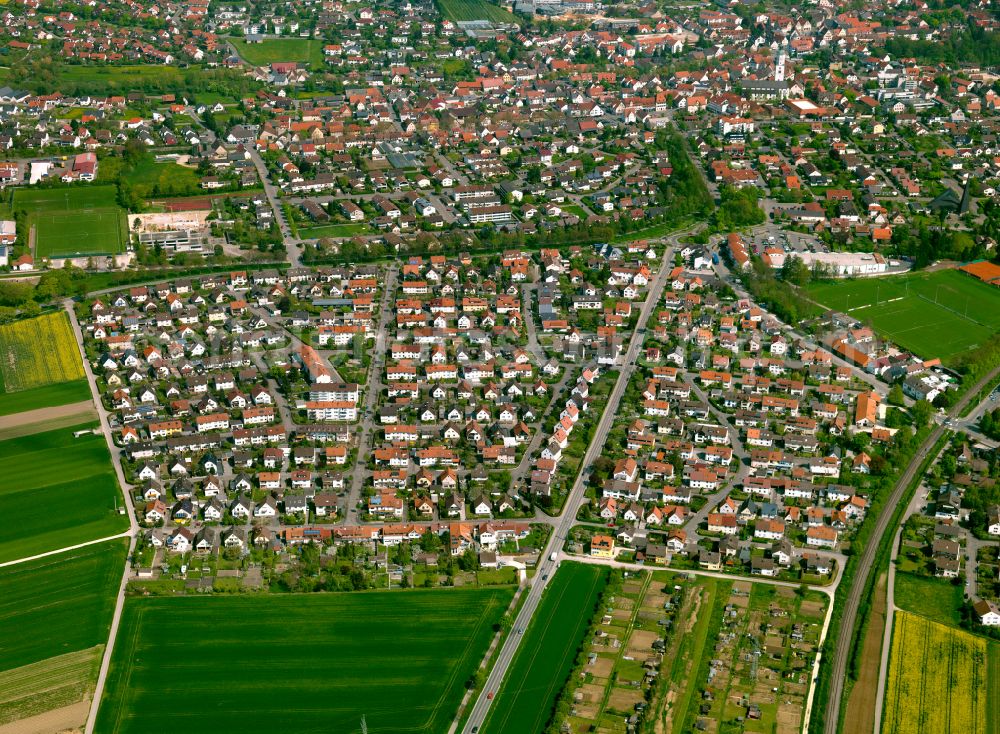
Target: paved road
[(373, 388), (292, 244), (546, 566), (845, 637)]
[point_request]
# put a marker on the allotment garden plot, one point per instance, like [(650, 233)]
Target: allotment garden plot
[(937, 314), (37, 352), (939, 679), (315, 662), (57, 490), (754, 662)]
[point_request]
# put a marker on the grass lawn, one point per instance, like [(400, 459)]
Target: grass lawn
[(936, 599), (58, 604), (315, 662), (546, 655), (656, 230), (301, 50), (575, 209), (152, 178), (334, 230), (39, 351), (902, 309), (692, 658), (122, 77), (474, 10), (62, 393), (57, 491)]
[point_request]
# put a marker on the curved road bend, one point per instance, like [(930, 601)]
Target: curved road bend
[(546, 567), (847, 622)]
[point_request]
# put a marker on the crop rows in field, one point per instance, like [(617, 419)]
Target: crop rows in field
[(546, 655), (314, 662), (38, 351), (58, 604), (49, 684), (57, 490), (937, 679)]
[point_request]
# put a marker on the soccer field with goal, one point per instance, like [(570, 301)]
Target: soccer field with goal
[(938, 314), (80, 233)]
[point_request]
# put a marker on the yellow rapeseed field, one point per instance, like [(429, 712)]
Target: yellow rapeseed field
[(937, 679), (39, 351)]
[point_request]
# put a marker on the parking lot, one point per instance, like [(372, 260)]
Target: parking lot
[(772, 235)]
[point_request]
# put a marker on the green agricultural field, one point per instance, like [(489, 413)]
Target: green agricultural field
[(151, 178), (37, 352), (475, 10), (54, 619), (58, 604), (57, 491), (938, 314), (545, 656), (315, 662), (49, 396), (300, 50)]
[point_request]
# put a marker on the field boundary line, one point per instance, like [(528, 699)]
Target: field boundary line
[(46, 554)]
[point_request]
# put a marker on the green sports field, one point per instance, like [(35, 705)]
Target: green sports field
[(67, 198), (54, 619), (57, 491), (459, 10), (303, 663), (545, 657), (938, 314), (270, 51), (80, 234), (81, 220)]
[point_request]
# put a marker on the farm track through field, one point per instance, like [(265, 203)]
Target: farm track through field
[(860, 713), (47, 419)]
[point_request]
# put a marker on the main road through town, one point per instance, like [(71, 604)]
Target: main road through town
[(546, 566)]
